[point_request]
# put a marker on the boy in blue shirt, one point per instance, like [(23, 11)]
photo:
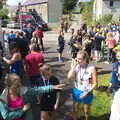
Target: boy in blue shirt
[(114, 84)]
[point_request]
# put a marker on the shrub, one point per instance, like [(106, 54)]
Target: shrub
[(105, 19), (86, 11), (68, 5)]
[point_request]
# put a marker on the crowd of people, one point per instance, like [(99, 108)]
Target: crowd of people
[(26, 50)]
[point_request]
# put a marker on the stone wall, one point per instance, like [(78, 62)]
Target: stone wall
[(115, 10), (54, 10)]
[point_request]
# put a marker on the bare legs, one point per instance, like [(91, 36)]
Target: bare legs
[(86, 109)]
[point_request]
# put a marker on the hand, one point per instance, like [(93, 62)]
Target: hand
[(59, 87), (26, 107), (74, 64), (3, 58), (84, 95)]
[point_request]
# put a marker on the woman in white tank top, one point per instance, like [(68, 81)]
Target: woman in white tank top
[(85, 81)]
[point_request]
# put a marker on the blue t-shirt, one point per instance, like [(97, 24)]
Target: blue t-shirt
[(114, 78)]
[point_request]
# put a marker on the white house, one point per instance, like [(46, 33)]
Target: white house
[(49, 10), (103, 7)]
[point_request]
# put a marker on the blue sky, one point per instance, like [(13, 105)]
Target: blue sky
[(14, 2)]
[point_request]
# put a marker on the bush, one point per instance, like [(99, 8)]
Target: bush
[(86, 11), (105, 19), (68, 5)]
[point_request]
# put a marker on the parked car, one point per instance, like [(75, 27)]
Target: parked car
[(13, 24), (34, 19), (4, 23)]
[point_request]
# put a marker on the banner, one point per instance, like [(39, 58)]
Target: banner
[(84, 0)]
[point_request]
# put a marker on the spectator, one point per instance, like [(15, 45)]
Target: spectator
[(32, 62), (61, 44), (49, 102), (15, 62), (11, 37), (40, 36), (114, 84), (15, 99), (110, 42)]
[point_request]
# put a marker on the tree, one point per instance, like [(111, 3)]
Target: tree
[(1, 4), (3, 13), (69, 5)]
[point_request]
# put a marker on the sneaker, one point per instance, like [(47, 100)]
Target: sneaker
[(60, 60), (106, 62)]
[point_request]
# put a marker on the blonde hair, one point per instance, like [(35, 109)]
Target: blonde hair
[(45, 67), (109, 34), (13, 81), (84, 55)]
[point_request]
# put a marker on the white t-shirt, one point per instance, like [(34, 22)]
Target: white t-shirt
[(84, 77)]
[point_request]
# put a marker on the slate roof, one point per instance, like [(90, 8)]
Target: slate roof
[(32, 2)]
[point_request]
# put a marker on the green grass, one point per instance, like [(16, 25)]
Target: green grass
[(100, 106)]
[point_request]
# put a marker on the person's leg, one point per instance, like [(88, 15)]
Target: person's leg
[(86, 111), (74, 110), (60, 55), (41, 43), (51, 115), (96, 55), (108, 55), (113, 56), (44, 115)]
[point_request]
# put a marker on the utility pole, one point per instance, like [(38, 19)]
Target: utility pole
[(20, 14)]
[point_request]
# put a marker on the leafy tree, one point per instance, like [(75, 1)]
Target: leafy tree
[(1, 4), (3, 13), (69, 5)]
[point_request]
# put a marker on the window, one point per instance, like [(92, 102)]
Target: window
[(111, 3)]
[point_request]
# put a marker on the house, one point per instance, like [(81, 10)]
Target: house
[(103, 7), (49, 10)]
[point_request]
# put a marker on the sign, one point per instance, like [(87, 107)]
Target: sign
[(84, 0)]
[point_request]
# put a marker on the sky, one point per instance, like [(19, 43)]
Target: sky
[(14, 2)]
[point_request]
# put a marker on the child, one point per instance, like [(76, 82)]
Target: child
[(49, 102), (61, 44), (15, 98), (114, 84)]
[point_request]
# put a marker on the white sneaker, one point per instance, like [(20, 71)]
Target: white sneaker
[(106, 62)]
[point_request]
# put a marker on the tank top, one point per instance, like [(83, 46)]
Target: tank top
[(84, 77), (14, 104), (16, 67)]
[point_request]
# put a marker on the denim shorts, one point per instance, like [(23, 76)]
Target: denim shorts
[(76, 96)]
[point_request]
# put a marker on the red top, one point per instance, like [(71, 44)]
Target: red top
[(32, 61), (14, 104), (39, 33)]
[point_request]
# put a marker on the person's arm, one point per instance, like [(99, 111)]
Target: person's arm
[(12, 60), (45, 89), (94, 85), (71, 73), (57, 101), (77, 45), (94, 80), (9, 115)]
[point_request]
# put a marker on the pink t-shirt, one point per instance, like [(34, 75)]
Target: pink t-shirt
[(32, 61), (111, 43), (14, 104)]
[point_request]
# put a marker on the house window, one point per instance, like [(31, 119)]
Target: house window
[(111, 3)]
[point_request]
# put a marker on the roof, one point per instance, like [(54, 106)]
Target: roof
[(33, 2)]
